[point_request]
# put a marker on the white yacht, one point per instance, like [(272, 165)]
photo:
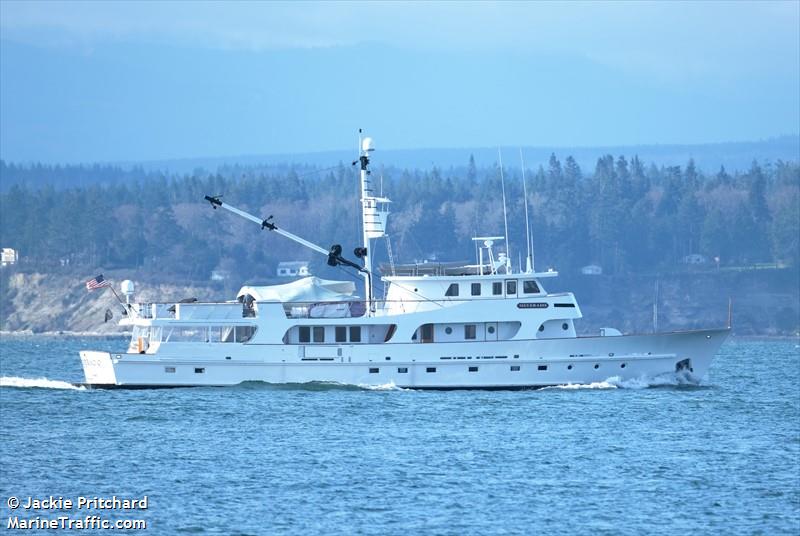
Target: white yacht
[(437, 326)]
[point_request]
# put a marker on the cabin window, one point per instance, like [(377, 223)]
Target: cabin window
[(305, 334), (470, 331), (497, 288), (245, 333), (541, 327), (355, 333), (473, 369), (199, 370), (565, 326), (514, 368), (542, 367), (490, 329), (402, 370), (452, 290), (319, 333), (341, 334), (169, 369), (374, 370), (426, 332), (390, 332), (530, 287), (511, 288), (476, 289), (430, 369)]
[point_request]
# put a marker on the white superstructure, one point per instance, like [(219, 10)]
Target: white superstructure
[(440, 326)]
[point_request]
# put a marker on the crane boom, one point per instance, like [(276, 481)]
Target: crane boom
[(266, 224), (334, 254)]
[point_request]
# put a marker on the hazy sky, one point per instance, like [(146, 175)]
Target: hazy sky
[(86, 81)]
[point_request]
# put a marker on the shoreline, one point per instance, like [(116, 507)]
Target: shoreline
[(66, 334)]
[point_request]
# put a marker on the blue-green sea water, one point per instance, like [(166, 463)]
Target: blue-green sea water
[(719, 458)]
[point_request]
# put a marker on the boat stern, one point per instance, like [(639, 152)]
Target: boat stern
[(98, 368)]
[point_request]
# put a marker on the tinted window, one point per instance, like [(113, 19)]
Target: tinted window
[(452, 290), (319, 334), (305, 334), (355, 333), (530, 287), (476, 289), (469, 331), (341, 334)]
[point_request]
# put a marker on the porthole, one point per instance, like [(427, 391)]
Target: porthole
[(491, 329), (569, 367), (541, 328), (448, 330), (565, 326), (596, 366), (622, 365)]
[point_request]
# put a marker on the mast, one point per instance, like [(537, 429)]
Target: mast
[(505, 215), (374, 213), (529, 258)]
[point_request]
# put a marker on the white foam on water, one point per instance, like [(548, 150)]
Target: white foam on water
[(381, 387), (642, 382), (42, 383)]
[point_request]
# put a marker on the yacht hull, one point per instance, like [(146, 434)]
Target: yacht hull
[(512, 364)]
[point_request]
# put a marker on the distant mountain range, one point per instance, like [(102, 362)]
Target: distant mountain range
[(708, 157)]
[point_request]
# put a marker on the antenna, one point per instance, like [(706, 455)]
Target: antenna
[(505, 214), (529, 259)]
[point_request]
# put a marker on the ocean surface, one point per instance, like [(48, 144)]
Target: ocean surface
[(641, 457)]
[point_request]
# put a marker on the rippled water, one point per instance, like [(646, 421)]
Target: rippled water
[(720, 458)]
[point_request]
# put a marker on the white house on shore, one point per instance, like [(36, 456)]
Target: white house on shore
[(592, 269), (694, 258), (8, 257), (293, 269)]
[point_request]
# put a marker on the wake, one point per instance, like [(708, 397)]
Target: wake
[(41, 383), (674, 379)]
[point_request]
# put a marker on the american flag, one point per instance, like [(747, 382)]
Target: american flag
[(97, 282)]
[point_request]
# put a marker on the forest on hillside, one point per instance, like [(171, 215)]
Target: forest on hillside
[(625, 215)]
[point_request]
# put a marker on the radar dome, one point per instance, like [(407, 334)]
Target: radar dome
[(367, 145), (127, 286)]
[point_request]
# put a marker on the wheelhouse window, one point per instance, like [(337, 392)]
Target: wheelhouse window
[(355, 333), (426, 332), (470, 331), (305, 334), (511, 288), (476, 289), (452, 290), (341, 334), (497, 288), (319, 333), (530, 287)]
